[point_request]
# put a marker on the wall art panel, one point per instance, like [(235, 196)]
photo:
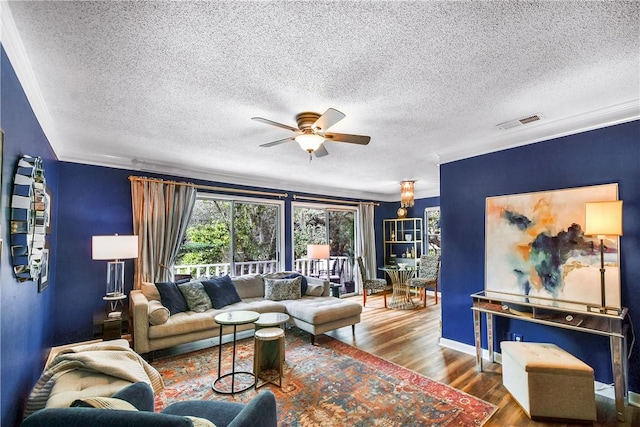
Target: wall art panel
[(535, 246)]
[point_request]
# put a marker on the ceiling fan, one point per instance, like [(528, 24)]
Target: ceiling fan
[(312, 132)]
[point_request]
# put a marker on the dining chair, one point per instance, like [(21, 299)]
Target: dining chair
[(427, 276), (373, 285)]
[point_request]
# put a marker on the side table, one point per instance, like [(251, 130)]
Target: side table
[(271, 319), (110, 328), (235, 318), (268, 320)]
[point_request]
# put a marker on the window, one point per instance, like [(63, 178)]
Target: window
[(231, 236), (432, 230), (326, 225)]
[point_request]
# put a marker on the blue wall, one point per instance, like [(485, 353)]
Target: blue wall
[(25, 314), (92, 200), (609, 155)]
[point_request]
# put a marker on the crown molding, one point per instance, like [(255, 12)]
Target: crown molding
[(12, 44), (544, 130), (191, 173)]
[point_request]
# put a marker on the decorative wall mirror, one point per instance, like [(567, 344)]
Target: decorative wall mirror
[(28, 218)]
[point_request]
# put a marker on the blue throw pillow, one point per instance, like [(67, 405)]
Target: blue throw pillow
[(303, 284), (222, 292), (171, 297)]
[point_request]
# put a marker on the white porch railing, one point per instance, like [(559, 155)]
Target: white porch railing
[(342, 272), (220, 269)]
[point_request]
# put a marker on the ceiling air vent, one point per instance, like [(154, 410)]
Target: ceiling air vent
[(519, 122)]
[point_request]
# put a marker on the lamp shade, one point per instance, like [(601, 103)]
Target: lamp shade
[(603, 218), (309, 141), (318, 251), (114, 247)]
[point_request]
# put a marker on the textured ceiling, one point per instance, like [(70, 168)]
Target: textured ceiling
[(171, 86)]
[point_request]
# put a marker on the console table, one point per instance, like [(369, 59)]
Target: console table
[(570, 315)]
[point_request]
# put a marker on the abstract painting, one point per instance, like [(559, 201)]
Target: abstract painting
[(535, 246)]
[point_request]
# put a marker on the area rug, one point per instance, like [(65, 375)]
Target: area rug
[(327, 384)]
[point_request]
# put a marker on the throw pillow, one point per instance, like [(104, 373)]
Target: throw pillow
[(150, 291), (197, 299), (103, 403), (249, 285), (315, 290), (158, 313), (221, 291), (303, 283), (282, 289), (171, 296)]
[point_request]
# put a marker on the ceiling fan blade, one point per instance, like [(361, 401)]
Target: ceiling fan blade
[(321, 151), (328, 119), (278, 142), (345, 137), (272, 123)]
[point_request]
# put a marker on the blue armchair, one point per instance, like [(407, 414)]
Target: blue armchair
[(261, 411)]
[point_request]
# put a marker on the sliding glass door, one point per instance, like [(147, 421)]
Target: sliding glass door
[(335, 226)]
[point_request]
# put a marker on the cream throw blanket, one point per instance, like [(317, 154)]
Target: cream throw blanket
[(114, 360)]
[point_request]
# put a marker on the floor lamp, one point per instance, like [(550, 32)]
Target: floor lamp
[(319, 252), (114, 248), (603, 219)]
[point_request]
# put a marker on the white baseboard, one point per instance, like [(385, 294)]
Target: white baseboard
[(605, 390)]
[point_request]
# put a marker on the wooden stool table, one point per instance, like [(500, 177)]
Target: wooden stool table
[(264, 336)]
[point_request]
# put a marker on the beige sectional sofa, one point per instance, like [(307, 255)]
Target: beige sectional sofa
[(316, 312)]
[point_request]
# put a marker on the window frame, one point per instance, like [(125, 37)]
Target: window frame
[(280, 221), (425, 243)]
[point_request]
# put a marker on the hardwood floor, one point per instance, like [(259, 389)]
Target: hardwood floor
[(410, 338)]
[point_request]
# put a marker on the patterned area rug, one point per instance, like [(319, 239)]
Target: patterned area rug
[(328, 384)]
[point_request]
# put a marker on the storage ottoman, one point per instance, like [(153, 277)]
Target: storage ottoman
[(547, 382)]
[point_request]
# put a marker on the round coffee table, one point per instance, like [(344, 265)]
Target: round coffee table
[(235, 318), (271, 319)]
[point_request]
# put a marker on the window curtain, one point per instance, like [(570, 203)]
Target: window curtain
[(161, 213), (366, 242)]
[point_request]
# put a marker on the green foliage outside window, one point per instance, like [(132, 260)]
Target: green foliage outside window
[(208, 237)]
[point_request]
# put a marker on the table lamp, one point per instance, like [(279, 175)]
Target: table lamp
[(114, 248), (603, 219), (319, 252)]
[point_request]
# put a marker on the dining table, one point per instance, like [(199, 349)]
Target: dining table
[(400, 275)]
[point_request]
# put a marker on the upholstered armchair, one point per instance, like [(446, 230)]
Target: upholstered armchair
[(134, 406), (427, 276), (373, 285)]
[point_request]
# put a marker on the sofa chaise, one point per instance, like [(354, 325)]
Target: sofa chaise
[(156, 327)]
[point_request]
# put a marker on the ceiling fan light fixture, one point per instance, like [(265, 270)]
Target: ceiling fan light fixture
[(309, 141), (406, 194)]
